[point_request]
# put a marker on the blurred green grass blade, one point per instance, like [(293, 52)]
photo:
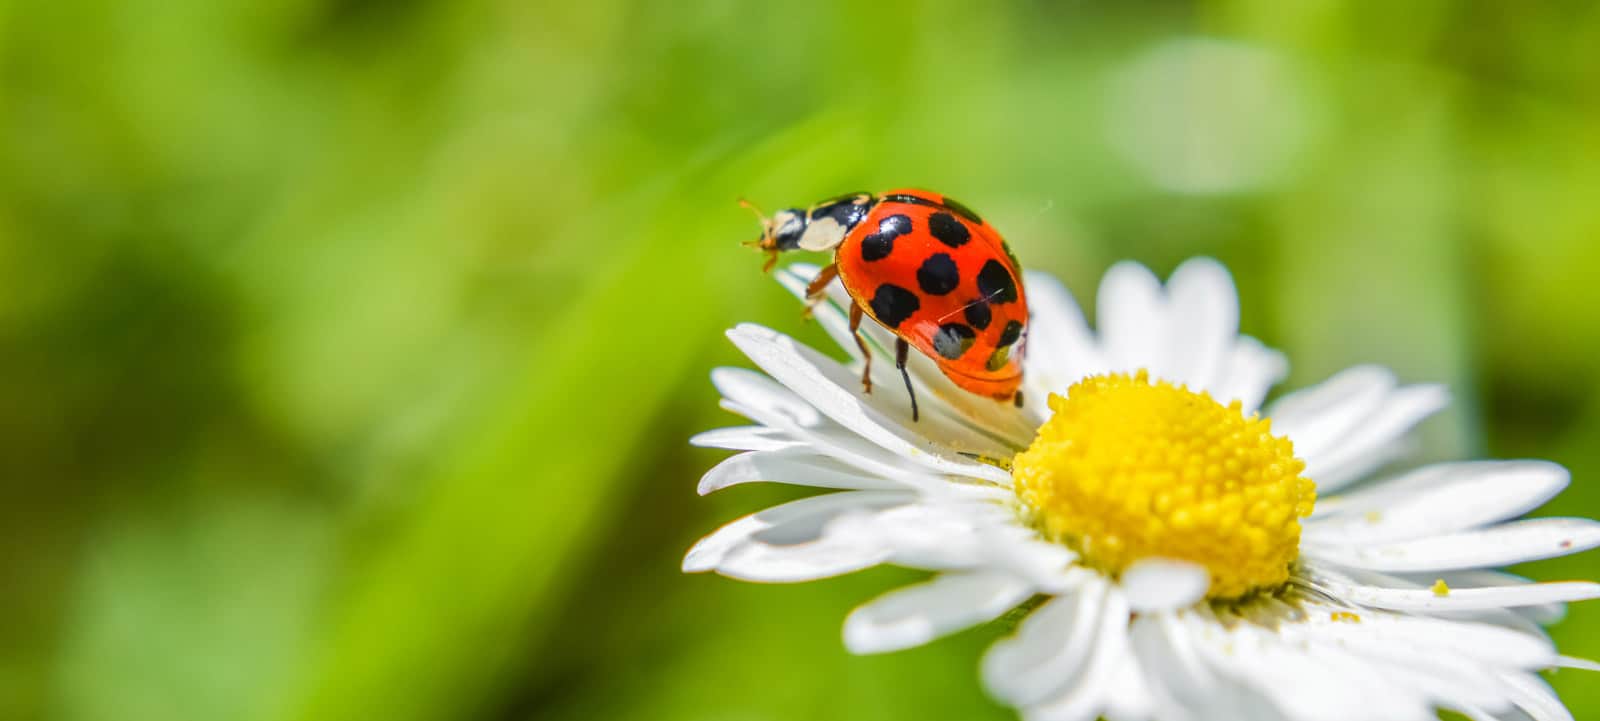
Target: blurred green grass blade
[(439, 608)]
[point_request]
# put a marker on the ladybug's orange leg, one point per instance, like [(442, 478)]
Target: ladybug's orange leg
[(855, 332), (901, 350), (814, 291)]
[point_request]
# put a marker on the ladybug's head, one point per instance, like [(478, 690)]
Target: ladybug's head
[(780, 232), (787, 227)]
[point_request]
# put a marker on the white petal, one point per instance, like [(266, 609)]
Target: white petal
[(1428, 638), (825, 557), (794, 466), (1161, 584), (1085, 698), (790, 526), (1127, 696), (1061, 348), (1316, 418), (1304, 681), (1204, 312), (1536, 697), (1177, 674), (833, 390), (1500, 545), (744, 438), (1352, 423), (933, 536), (768, 402), (1461, 599), (1133, 320), (1250, 370), (915, 615), (1582, 664), (1377, 440), (1515, 618), (1048, 566), (1543, 614), (1048, 650), (1438, 499)]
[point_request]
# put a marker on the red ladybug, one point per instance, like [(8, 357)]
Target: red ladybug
[(927, 268)]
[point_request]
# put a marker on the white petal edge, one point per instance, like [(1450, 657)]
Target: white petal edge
[(1377, 440), (1436, 499), (1251, 370), (711, 552), (1084, 699), (744, 438), (1502, 545), (1460, 599), (1048, 650), (915, 615), (1061, 348), (1133, 320), (1316, 417), (1536, 697), (793, 466), (1204, 317)]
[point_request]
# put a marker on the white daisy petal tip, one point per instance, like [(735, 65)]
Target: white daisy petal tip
[(1153, 585), (698, 559), (1575, 662), (914, 615)]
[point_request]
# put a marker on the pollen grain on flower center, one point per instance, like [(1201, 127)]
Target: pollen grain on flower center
[(1127, 469)]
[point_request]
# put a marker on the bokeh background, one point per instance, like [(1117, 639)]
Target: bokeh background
[(348, 348)]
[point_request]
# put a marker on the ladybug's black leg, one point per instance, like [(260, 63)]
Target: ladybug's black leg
[(855, 332), (819, 284), (901, 350)]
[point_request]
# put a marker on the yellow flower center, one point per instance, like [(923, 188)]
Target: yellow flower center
[(1128, 469)]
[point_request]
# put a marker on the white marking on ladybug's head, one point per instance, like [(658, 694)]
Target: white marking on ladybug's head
[(824, 233), (787, 227)]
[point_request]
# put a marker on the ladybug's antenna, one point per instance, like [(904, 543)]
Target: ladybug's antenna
[(766, 223), (765, 242)]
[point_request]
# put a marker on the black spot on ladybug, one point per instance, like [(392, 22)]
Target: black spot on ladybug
[(995, 283), (953, 340), (846, 210), (880, 244), (962, 210), (892, 305), (1011, 333), (938, 274), (948, 230), (978, 315)]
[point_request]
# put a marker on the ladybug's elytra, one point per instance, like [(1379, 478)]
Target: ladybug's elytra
[(927, 268)]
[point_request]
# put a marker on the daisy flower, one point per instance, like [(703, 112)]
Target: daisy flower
[(1185, 552)]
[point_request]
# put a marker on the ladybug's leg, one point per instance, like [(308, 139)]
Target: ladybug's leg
[(855, 332), (819, 284), (901, 350)]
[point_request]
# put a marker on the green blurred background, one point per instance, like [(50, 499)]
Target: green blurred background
[(348, 348)]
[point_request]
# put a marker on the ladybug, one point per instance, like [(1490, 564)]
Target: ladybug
[(927, 268)]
